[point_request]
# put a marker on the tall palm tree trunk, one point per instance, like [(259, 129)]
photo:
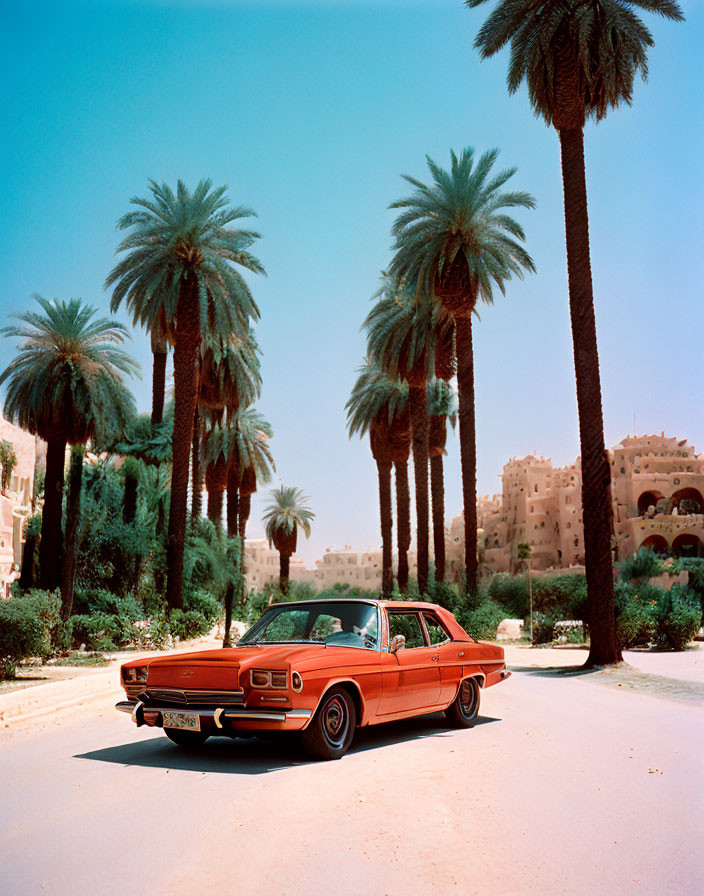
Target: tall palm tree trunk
[(596, 475), (216, 498), (419, 440), (284, 568), (387, 573), (73, 513), (233, 502), (468, 447), (245, 504), (437, 487), (50, 546), (158, 383), (197, 471), (403, 523), (185, 392)]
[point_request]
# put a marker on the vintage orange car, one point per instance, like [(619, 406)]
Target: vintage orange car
[(320, 667)]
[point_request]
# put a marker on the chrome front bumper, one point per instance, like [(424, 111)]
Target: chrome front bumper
[(291, 718)]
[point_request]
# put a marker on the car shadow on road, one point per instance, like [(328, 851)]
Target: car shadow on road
[(257, 756)]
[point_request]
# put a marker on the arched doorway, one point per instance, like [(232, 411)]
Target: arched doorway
[(686, 500), (649, 499), (688, 545), (656, 543)]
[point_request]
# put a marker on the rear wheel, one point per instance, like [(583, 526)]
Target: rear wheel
[(330, 733), (189, 739), (463, 712)]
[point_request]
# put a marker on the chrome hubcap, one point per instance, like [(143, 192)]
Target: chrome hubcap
[(335, 721), (468, 698)]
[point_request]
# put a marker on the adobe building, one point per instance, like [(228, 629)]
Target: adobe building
[(657, 490), (15, 503)]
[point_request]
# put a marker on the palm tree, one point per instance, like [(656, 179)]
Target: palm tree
[(378, 405), (179, 271), (215, 451), (442, 407), (403, 335), (230, 377), (65, 385), (160, 350), (578, 61), (250, 463), (454, 239), (282, 519)]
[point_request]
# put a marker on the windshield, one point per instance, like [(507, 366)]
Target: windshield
[(339, 623)]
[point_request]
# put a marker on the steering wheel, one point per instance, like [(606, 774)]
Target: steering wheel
[(370, 642)]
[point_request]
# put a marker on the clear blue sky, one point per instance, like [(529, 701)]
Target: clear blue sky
[(310, 113)]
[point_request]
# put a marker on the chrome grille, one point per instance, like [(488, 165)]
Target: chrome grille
[(195, 697)]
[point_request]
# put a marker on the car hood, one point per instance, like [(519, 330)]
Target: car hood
[(224, 668)]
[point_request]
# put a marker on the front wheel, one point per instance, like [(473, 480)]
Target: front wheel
[(189, 739), (331, 731), (463, 711)]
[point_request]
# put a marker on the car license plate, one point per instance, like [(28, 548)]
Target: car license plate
[(188, 720)]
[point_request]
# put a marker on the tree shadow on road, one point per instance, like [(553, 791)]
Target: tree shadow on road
[(257, 756), (554, 671)]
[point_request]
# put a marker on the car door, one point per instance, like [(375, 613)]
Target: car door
[(452, 655), (411, 676)]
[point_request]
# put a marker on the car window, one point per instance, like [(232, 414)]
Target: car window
[(408, 625), (437, 633)]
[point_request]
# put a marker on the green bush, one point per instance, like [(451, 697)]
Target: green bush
[(511, 592), (635, 614), (204, 603), (543, 628), (98, 631), (678, 615), (26, 623), (443, 594), (188, 624), (483, 622), (644, 564)]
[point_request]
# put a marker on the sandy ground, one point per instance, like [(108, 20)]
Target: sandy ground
[(564, 787)]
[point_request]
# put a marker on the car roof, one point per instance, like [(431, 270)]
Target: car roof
[(388, 604)]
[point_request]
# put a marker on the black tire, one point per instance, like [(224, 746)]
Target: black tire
[(464, 710), (189, 739), (331, 730)]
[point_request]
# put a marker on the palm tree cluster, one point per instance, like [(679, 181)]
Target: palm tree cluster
[(454, 244), (179, 277)]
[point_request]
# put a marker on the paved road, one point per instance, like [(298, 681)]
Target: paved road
[(565, 787)]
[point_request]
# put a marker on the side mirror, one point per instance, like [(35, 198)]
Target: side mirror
[(398, 642)]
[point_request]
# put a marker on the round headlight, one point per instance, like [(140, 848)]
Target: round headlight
[(296, 682)]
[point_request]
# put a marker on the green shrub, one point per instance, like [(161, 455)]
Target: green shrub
[(204, 603), (678, 615), (441, 593), (483, 622), (63, 635), (188, 624), (26, 624), (635, 614), (644, 564), (543, 628), (512, 593), (98, 631)]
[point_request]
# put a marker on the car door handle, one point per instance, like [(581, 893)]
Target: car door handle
[(461, 653), (435, 657)]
